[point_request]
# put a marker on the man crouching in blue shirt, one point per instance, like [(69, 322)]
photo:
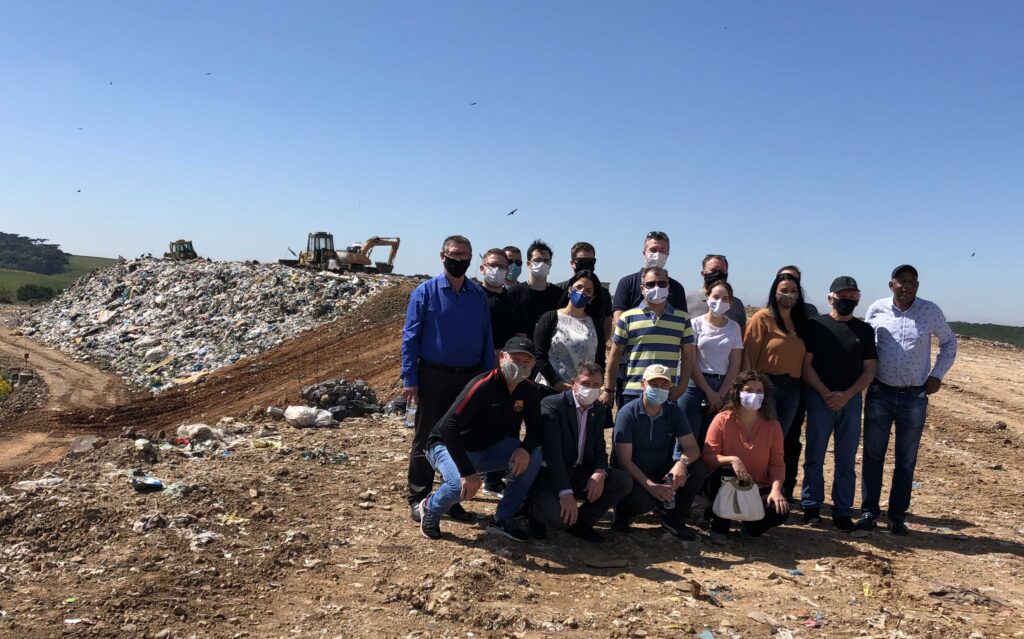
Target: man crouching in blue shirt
[(645, 436), (480, 433)]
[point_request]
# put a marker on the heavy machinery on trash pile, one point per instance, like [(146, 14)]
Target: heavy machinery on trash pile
[(320, 255), (180, 250)]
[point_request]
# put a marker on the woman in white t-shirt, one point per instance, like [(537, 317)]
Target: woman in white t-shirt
[(719, 351)]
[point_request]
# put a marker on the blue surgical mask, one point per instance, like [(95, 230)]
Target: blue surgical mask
[(578, 298), (656, 396), (513, 272)]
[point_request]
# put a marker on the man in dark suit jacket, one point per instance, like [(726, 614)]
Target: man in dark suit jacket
[(577, 460)]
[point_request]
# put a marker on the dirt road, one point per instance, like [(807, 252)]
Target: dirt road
[(73, 385)]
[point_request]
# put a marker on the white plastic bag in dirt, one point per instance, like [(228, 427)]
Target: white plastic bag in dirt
[(147, 342), (324, 418), (199, 432), (301, 416), (155, 354)]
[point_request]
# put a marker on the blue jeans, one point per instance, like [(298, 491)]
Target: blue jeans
[(494, 458), (821, 424), (786, 390), (883, 406), (690, 403)]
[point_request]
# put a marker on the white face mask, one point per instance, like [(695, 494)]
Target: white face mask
[(513, 372), (494, 275), (718, 307), (540, 269), (656, 259), (655, 295), (751, 401), (586, 396)]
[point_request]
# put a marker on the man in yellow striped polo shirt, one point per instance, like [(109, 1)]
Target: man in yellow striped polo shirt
[(653, 333)]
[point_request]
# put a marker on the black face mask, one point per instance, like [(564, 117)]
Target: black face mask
[(585, 264), (456, 268), (844, 307), (715, 276)]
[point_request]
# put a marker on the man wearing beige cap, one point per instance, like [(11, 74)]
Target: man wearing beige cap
[(646, 432)]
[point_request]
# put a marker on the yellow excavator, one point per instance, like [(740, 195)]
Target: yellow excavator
[(180, 250), (320, 255)]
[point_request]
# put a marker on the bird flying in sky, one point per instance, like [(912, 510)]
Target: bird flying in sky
[(511, 212)]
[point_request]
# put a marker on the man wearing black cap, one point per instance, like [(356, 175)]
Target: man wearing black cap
[(904, 325), (839, 364), (480, 433)]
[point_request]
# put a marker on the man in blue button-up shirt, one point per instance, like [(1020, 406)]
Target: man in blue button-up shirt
[(446, 342), (904, 325)]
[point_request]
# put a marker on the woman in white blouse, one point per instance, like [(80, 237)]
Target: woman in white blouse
[(719, 351), (567, 337)]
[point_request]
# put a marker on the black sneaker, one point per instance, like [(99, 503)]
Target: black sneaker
[(537, 529), (680, 531), (430, 523), (898, 527), (866, 522), (458, 513), (844, 524), (620, 523), (507, 529), (585, 532), (494, 490), (414, 512), (812, 516)]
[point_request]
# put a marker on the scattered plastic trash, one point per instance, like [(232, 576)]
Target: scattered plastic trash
[(233, 519), (148, 522), (75, 622), (322, 455), (146, 484), (966, 595), (705, 634), (202, 539), (795, 572), (34, 485), (867, 591), (818, 620), (71, 600), (266, 442), (916, 485), (178, 490), (763, 617)]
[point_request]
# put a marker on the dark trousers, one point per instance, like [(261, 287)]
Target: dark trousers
[(884, 406), (639, 501), (547, 509), (437, 392), (752, 528), (793, 446)]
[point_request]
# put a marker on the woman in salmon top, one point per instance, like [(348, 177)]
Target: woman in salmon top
[(745, 441)]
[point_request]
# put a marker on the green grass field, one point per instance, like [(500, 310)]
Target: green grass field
[(79, 266)]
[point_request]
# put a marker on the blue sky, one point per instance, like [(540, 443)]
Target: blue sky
[(844, 137)]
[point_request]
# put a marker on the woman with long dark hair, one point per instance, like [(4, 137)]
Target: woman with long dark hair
[(745, 441), (773, 344), (571, 335)]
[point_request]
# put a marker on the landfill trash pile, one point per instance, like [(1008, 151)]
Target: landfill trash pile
[(21, 390), (161, 323)]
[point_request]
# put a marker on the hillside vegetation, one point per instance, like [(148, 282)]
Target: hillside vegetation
[(21, 253), (78, 265), (995, 332)]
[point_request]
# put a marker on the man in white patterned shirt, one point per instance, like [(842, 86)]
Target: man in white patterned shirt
[(904, 325)]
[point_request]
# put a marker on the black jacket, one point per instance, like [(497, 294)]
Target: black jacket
[(561, 437), (483, 414), (542, 339)]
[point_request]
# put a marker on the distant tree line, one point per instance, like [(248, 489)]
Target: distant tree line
[(994, 332), (22, 253)]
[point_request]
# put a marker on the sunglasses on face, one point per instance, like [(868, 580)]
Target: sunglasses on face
[(516, 262), (656, 283)]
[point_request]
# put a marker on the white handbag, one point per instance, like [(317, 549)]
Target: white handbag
[(738, 502)]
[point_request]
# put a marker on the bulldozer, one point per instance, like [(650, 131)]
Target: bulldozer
[(320, 255), (180, 250)]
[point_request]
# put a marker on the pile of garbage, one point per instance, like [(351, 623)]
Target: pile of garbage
[(329, 402), (161, 323)]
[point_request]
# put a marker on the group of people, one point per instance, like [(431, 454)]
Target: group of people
[(515, 383)]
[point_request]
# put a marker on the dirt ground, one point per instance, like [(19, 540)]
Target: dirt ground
[(270, 544)]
